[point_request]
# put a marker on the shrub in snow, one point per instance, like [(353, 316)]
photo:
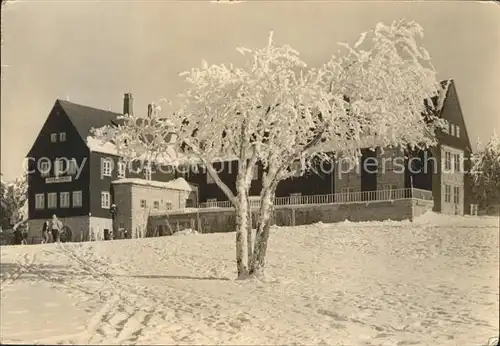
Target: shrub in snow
[(187, 231), (486, 175), (14, 197)]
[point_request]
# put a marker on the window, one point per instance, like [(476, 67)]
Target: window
[(77, 199), (144, 204), (52, 200), (44, 168), (156, 205), (210, 180), (168, 205), (64, 199), (62, 136), (39, 201), (58, 167), (456, 162), (456, 194), (121, 169), (147, 171), (72, 167), (106, 167), (447, 160), (447, 193), (105, 199), (53, 137), (295, 198), (452, 129), (211, 202), (457, 131)]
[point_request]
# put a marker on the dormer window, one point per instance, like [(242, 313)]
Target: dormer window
[(53, 137), (62, 136), (452, 129), (457, 131)]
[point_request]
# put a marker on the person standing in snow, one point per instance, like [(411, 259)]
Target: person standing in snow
[(45, 232), (55, 228), (24, 233), (18, 237)]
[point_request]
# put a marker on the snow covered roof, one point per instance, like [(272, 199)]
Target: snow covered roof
[(170, 157), (176, 184), (96, 145)]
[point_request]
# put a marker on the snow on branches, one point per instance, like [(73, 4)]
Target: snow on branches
[(486, 173), (14, 201), (275, 110)]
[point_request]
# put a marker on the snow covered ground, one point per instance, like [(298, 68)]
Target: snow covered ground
[(433, 282)]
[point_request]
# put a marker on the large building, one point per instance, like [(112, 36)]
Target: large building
[(75, 177), (79, 179)]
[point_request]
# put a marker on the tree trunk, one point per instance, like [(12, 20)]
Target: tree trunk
[(258, 261), (241, 231), (249, 230)]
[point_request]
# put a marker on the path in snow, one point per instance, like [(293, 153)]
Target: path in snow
[(434, 281)]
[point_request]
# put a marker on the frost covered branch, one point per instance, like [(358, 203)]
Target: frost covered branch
[(275, 111)]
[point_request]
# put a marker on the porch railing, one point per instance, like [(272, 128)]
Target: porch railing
[(348, 197)]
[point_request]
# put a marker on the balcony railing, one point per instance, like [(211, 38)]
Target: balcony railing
[(335, 198)]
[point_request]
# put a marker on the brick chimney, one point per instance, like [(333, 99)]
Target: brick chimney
[(128, 104)]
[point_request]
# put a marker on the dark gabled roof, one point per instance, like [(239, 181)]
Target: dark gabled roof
[(445, 84), (85, 118)]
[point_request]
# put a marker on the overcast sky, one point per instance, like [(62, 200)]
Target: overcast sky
[(93, 52)]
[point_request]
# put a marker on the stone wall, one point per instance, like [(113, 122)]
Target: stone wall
[(223, 220)]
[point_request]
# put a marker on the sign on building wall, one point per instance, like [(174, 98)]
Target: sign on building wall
[(54, 180)]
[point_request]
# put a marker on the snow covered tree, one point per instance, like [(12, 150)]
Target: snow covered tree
[(14, 200), (486, 174), (276, 111)]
